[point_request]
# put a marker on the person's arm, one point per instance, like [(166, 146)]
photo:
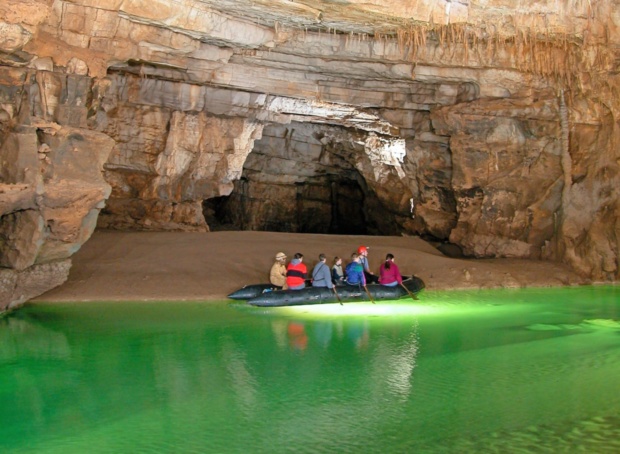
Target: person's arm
[(327, 276), (315, 274), (274, 275), (367, 266), (399, 277)]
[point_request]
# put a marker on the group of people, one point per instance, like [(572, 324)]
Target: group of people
[(357, 272)]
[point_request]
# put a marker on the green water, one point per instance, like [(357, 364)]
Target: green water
[(495, 371)]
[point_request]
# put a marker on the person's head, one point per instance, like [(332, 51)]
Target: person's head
[(337, 261), (299, 256), (355, 257), (389, 258), (322, 257), (362, 250), (281, 257)]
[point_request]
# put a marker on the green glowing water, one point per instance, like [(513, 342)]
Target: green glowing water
[(493, 371)]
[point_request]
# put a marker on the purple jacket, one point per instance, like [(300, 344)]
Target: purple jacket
[(387, 276)]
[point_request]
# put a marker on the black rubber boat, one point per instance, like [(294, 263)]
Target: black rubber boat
[(266, 295)]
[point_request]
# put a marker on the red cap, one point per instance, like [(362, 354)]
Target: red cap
[(362, 249)]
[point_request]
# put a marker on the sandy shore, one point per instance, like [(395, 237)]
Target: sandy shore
[(171, 266)]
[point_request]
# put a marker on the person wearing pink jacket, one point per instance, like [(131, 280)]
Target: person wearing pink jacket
[(389, 274)]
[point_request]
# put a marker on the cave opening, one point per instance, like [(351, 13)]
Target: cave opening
[(322, 205), (303, 178)]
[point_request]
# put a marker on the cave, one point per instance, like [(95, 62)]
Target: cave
[(302, 178), (319, 205), (149, 148)]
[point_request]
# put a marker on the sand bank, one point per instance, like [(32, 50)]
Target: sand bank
[(173, 266)]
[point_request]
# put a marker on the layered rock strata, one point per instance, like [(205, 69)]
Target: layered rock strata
[(486, 125), (52, 183)]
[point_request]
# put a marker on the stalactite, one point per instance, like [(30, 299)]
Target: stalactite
[(532, 48)]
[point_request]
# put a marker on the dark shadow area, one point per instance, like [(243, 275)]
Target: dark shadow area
[(320, 205), (445, 247)]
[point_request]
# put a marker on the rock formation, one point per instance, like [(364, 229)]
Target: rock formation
[(488, 125)]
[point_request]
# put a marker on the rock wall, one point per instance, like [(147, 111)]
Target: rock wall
[(492, 126), (524, 190), (52, 185), (168, 156)]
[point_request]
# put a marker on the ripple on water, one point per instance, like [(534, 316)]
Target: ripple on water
[(598, 435)]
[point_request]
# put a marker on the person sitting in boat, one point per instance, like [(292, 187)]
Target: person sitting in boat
[(355, 271), (337, 273), (321, 276), (296, 273), (277, 275), (362, 251), (389, 274)]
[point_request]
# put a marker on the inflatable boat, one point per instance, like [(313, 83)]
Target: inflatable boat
[(266, 295)]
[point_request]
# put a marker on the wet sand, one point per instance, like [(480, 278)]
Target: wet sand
[(175, 266)]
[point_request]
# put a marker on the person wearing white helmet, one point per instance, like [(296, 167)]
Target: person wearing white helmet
[(277, 275)]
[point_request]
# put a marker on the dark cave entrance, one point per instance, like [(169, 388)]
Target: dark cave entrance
[(324, 205), (305, 178)]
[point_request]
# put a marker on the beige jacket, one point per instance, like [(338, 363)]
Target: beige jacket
[(277, 275)]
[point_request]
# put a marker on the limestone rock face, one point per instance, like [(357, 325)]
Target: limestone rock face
[(506, 171), (52, 183), (486, 126), (161, 180)]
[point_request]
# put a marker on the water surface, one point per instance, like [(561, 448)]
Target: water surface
[(485, 371)]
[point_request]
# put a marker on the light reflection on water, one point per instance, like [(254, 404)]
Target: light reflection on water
[(505, 371)]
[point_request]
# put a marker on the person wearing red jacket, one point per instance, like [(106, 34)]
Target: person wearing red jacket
[(296, 273), (389, 274)]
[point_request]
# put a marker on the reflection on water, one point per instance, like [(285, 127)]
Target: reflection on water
[(533, 371), (23, 339), (292, 334)]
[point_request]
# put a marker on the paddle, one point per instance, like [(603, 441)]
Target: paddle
[(413, 297), (369, 295), (337, 296)]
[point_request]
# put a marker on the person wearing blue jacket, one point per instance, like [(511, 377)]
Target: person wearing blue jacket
[(355, 271)]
